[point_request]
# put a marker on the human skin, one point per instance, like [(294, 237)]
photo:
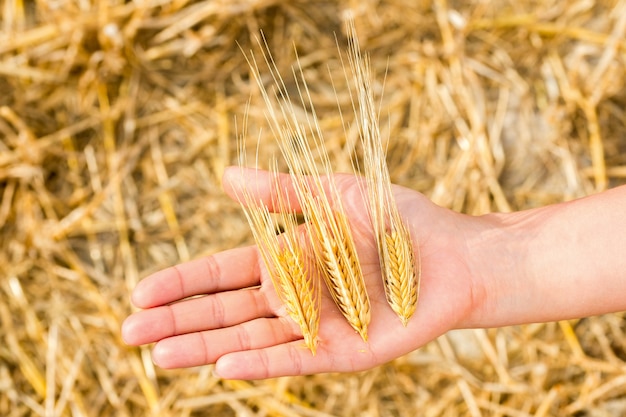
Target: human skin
[(556, 262)]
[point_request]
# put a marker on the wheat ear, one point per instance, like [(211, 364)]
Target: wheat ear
[(300, 288), (325, 216), (293, 275), (399, 258)]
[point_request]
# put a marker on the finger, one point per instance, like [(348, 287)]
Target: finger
[(206, 347), (265, 186), (197, 314), (290, 359), (261, 185), (228, 270)]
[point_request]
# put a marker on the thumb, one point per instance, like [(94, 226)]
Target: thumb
[(270, 187), (261, 186)]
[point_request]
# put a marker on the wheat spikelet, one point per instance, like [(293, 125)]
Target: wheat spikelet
[(332, 241), (341, 271), (299, 292), (399, 276), (325, 217), (399, 267), (295, 280)]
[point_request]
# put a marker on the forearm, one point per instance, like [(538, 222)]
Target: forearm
[(557, 262)]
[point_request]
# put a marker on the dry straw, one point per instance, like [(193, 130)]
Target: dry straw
[(116, 121)]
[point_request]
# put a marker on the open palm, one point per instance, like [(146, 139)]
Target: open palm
[(223, 309)]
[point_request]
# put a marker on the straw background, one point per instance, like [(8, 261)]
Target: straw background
[(118, 118)]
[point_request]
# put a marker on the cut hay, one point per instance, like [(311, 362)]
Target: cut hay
[(117, 120)]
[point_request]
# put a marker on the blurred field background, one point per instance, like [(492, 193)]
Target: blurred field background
[(118, 118)]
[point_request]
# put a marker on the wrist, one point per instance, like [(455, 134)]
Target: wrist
[(499, 266), (552, 263)]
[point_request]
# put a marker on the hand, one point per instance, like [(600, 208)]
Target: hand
[(238, 322)]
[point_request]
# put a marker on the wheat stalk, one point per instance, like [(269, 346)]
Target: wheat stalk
[(325, 216), (294, 278), (400, 267)]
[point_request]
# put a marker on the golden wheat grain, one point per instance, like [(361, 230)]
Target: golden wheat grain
[(400, 267), (342, 271), (324, 214), (332, 238), (330, 232), (299, 291), (294, 278), (401, 288)]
